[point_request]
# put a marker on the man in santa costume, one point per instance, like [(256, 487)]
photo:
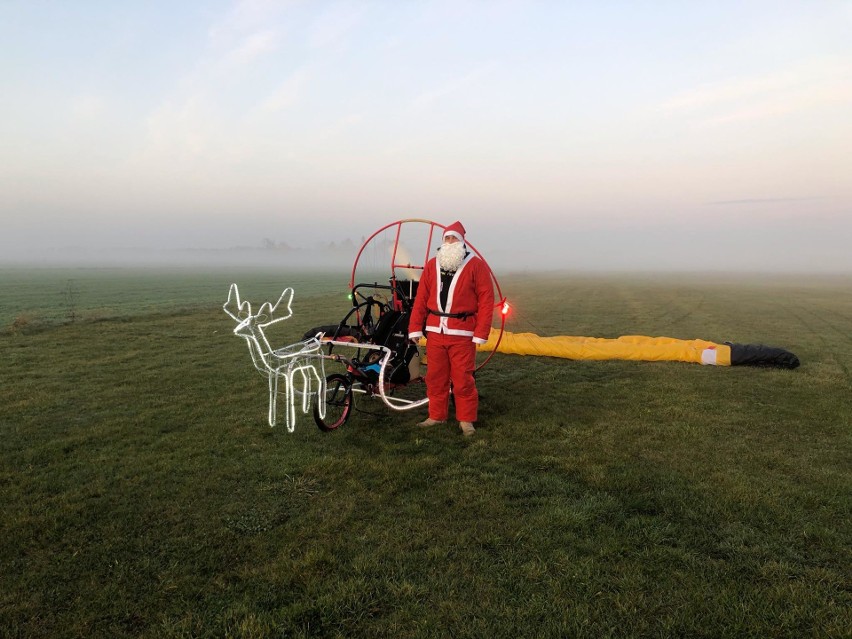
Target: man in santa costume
[(454, 305)]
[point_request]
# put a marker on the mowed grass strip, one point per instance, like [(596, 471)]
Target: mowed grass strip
[(32, 299), (143, 493)]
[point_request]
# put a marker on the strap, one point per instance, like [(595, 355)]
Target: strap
[(461, 315)]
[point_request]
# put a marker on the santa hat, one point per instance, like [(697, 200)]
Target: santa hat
[(455, 229)]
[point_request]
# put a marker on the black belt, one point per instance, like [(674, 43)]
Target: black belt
[(461, 315)]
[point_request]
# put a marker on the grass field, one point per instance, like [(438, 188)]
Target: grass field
[(143, 493)]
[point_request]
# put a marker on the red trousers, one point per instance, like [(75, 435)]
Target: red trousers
[(451, 358)]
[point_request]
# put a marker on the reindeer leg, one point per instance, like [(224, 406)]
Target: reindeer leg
[(313, 373), (306, 390), (291, 408), (273, 397), (321, 387)]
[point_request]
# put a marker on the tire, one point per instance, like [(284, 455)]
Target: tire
[(338, 403)]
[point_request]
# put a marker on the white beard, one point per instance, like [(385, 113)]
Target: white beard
[(451, 256)]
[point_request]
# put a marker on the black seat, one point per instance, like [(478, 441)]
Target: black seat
[(385, 326), (406, 291), (392, 331)]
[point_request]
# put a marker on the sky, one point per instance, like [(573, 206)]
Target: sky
[(587, 135)]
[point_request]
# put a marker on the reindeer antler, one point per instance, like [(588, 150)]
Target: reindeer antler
[(238, 310), (269, 311)]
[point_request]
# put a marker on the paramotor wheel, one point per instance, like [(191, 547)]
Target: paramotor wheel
[(338, 403)]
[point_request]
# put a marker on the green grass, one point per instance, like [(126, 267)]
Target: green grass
[(49, 296), (143, 493)]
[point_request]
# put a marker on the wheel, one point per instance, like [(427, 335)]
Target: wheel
[(338, 403)]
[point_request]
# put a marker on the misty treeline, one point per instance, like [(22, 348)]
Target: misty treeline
[(348, 244)]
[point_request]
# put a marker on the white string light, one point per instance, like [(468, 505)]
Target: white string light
[(285, 363)]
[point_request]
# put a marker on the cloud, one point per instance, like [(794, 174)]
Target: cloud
[(180, 131), (803, 87), (342, 124), (764, 200), (245, 32), (88, 107), (794, 102), (459, 83), (252, 47), (335, 24), (724, 93), (245, 16), (289, 93)]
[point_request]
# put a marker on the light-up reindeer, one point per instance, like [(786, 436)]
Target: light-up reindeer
[(282, 363)]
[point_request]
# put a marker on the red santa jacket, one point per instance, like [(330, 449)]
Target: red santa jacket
[(470, 291)]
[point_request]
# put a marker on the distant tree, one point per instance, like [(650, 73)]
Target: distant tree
[(69, 296)]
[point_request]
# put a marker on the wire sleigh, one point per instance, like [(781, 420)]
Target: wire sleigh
[(300, 362)]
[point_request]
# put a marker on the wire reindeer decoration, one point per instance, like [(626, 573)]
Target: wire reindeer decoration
[(301, 358)]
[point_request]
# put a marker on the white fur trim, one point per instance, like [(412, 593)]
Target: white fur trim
[(458, 331), (455, 234), (415, 335), (479, 340), (449, 331), (442, 326)]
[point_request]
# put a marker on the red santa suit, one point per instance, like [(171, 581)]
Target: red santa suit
[(452, 332)]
